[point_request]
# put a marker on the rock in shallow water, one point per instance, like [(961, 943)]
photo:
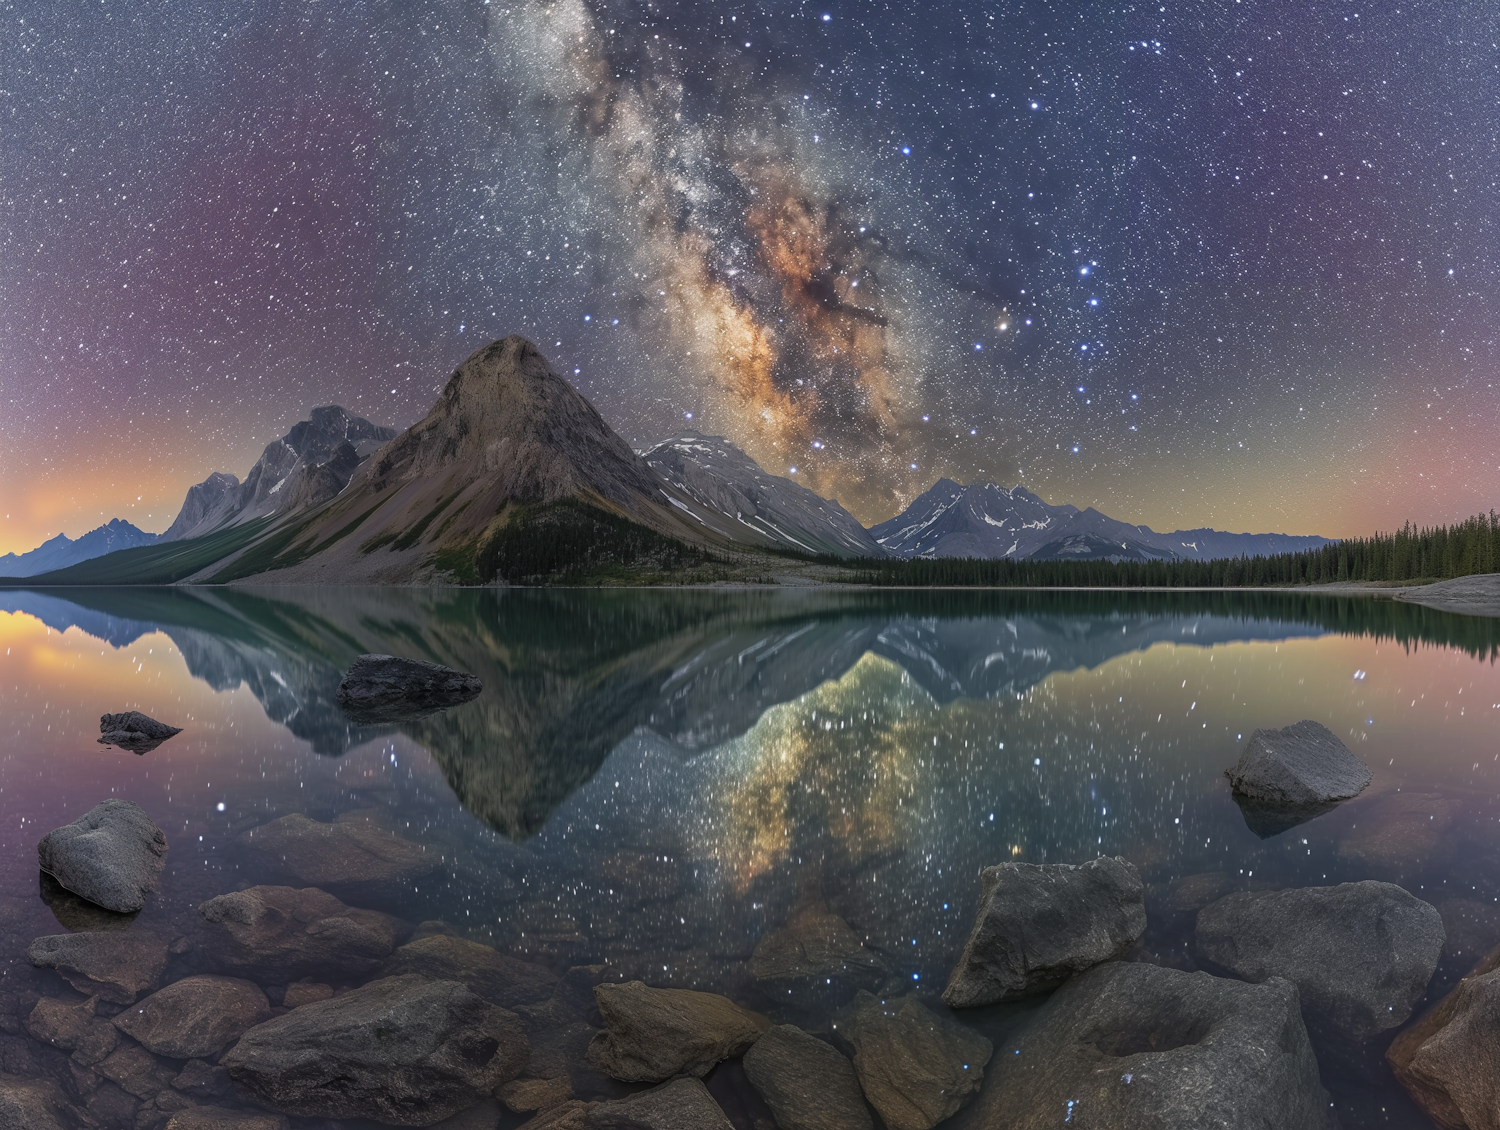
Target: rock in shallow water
[(132, 730), (497, 977), (916, 1067), (405, 1051), (73, 1028), (1039, 924), (1360, 954), (815, 957), (1449, 1060), (222, 1118), (351, 854), (33, 1104), (111, 855), (808, 1084), (1303, 765), (1128, 1045), (195, 1018), (682, 1104), (653, 1034), (385, 688), (116, 965), (290, 934)]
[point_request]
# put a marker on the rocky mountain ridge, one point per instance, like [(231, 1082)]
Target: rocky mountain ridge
[(62, 551)]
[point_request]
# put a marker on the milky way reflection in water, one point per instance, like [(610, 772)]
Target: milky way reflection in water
[(659, 780)]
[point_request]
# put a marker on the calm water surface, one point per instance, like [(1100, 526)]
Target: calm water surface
[(658, 780)]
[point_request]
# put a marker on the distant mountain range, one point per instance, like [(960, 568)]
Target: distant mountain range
[(514, 476), (62, 551), (987, 521)]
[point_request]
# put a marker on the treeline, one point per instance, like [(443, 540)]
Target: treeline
[(1429, 554)]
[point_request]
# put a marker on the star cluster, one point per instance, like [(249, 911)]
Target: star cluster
[(1192, 263)]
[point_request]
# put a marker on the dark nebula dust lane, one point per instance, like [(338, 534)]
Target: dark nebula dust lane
[(1192, 263)]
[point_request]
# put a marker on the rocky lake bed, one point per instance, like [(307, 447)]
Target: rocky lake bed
[(812, 922)]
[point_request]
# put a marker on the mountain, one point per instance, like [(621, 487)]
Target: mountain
[(512, 474), (309, 465), (723, 479), (988, 521), (62, 551)]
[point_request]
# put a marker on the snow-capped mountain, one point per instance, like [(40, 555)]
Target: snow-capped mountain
[(988, 521), (759, 505), (309, 465), (62, 551)]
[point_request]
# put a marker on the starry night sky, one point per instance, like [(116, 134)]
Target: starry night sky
[(1228, 263)]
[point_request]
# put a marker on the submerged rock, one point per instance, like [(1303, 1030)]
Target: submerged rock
[(653, 1034), (195, 1018), (1302, 766), (682, 1104), (132, 730), (385, 688), (1360, 954), (808, 1084), (33, 1104), (76, 913), (402, 1050), (73, 1028), (915, 1067), (111, 855), (497, 977), (1039, 924), (351, 854), (223, 1118), (1129, 1045), (1449, 1060), (290, 934), (117, 966), (815, 956)]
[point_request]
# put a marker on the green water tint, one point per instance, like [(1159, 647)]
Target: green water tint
[(662, 780)]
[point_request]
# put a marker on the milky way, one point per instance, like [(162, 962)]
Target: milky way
[(1191, 263)]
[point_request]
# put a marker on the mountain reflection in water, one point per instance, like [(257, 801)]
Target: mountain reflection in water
[(662, 781)]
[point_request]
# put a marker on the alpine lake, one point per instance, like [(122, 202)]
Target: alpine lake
[(784, 797)]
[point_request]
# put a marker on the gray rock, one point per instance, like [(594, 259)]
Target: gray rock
[(384, 688), (111, 855), (1360, 954), (1453, 1069), (136, 1071), (75, 913), (195, 1018), (1303, 765), (402, 1050), (134, 731), (653, 1034), (203, 1080), (32, 1104), (495, 976), (1130, 1045), (290, 933), (682, 1104), (351, 854), (117, 966), (73, 1028), (808, 1084), (817, 957), (915, 1067), (1039, 924), (223, 1118)]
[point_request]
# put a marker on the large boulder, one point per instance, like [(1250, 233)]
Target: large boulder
[(1129, 1045), (385, 688), (132, 730), (288, 934), (352, 854), (1303, 765), (195, 1018), (405, 1051), (497, 977), (807, 1083), (111, 855), (815, 956), (115, 965), (1449, 1060), (682, 1104), (916, 1067), (653, 1034), (1039, 924), (1360, 954)]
